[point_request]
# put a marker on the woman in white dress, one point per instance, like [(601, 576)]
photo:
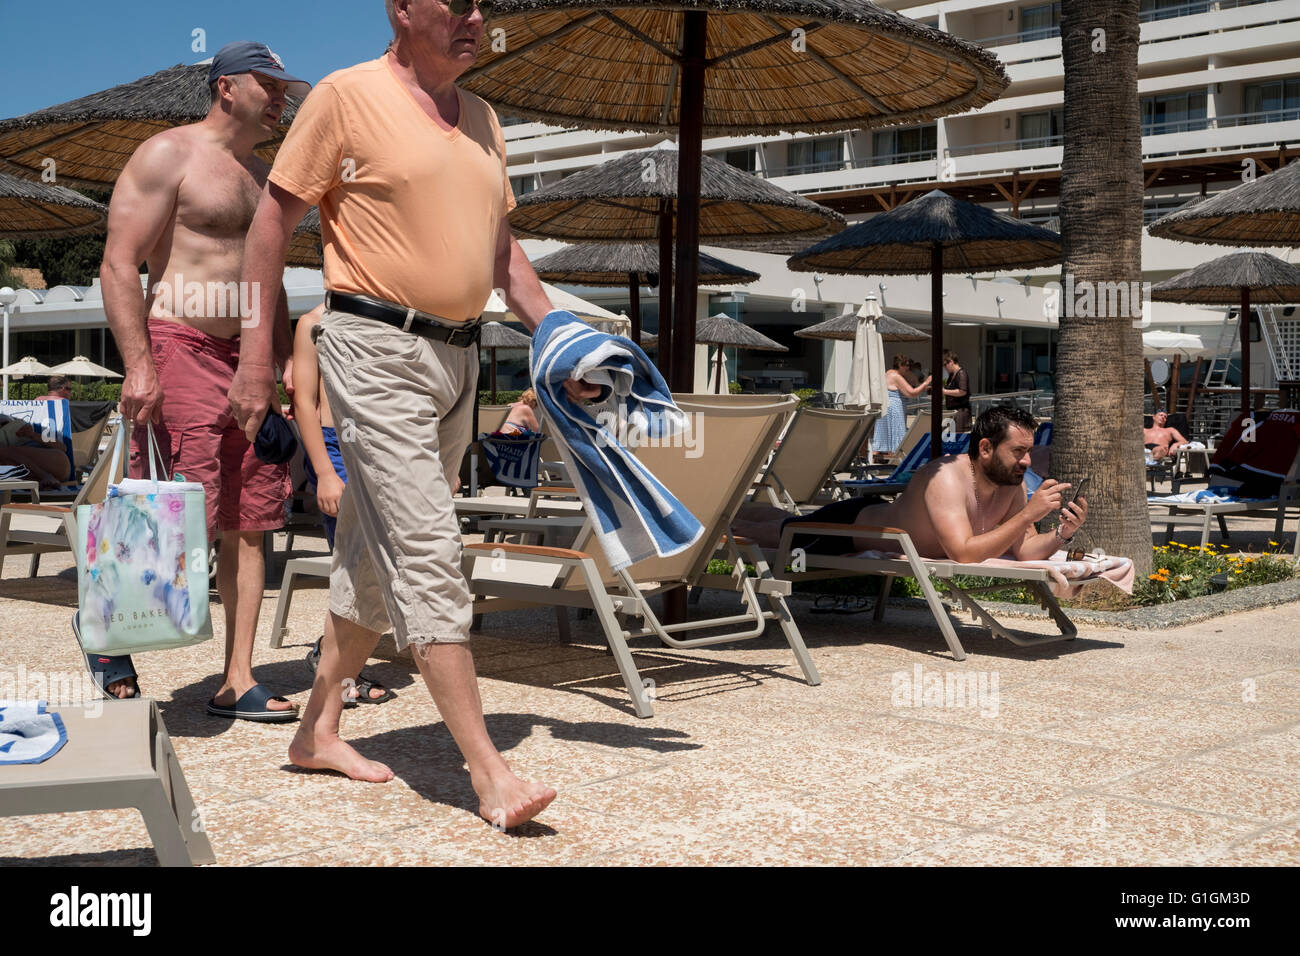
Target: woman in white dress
[(892, 425)]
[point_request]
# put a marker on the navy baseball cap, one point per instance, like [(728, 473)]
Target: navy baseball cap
[(246, 56)]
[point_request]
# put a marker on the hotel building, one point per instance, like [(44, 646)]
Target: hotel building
[(1219, 82)]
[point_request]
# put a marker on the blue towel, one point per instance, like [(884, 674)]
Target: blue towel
[(635, 516), (514, 459), (28, 734), (1206, 496)]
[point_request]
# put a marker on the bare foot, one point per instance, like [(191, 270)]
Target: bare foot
[(312, 753), (506, 801)]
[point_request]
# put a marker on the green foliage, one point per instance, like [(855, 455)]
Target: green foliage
[(81, 391), (7, 264), (71, 261), (503, 397), (804, 394), (733, 388)]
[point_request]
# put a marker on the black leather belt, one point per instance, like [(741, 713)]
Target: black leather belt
[(408, 320)]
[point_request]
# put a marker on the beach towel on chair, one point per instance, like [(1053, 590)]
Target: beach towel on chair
[(634, 514), (28, 734), (1068, 577), (514, 459)]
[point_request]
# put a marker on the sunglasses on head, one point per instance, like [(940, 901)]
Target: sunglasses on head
[(462, 8)]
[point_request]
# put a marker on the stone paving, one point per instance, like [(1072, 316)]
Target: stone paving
[(1122, 747)]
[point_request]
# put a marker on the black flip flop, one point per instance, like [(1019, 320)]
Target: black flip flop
[(252, 706), (105, 669)]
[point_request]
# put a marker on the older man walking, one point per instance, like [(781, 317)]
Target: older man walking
[(409, 173)]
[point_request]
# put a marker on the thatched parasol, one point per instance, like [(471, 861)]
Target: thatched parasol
[(633, 198), (723, 67), (41, 211), (305, 244), (90, 139), (1236, 279), (613, 264), (845, 327), (1265, 212), (934, 233), (722, 330), (619, 201), (495, 336)]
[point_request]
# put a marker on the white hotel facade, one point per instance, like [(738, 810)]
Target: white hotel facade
[(1220, 88)]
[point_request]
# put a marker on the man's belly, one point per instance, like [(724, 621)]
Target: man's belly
[(216, 304)]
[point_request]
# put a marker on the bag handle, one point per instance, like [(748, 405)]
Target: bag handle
[(154, 453)]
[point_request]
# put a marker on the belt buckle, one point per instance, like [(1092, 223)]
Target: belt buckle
[(471, 336)]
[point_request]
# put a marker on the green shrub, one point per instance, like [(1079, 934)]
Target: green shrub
[(503, 398), (734, 388), (804, 394)]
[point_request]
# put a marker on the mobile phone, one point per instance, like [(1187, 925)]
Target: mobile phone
[(1081, 490)]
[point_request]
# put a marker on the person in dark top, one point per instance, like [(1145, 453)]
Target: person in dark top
[(956, 391)]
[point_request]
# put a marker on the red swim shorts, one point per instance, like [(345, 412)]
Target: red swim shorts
[(198, 437)]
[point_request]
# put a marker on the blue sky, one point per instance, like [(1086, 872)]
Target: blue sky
[(57, 52)]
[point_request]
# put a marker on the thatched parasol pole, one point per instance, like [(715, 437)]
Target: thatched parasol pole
[(666, 290), (1245, 350), (634, 304), (690, 148), (936, 351), (493, 373)]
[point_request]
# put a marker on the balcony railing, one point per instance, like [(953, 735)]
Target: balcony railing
[(1193, 8), (1221, 122), (893, 159), (800, 169), (1189, 9), (1006, 145)]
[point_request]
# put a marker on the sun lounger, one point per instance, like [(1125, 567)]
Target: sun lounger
[(1269, 459), (817, 440), (117, 756), (36, 528), (1036, 580), (736, 439)]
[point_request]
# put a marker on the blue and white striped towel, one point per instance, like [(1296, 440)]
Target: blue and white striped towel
[(28, 734), (635, 515), (1206, 496)]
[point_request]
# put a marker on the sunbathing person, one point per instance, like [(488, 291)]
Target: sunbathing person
[(522, 419), (1161, 440), (965, 507), (46, 462)]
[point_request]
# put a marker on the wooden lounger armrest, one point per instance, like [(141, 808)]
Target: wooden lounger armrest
[(554, 490), (491, 548), (31, 506)]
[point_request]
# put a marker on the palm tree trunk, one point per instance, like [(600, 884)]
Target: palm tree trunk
[(1098, 418)]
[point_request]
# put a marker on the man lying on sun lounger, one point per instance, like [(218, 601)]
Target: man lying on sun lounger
[(968, 508), (1160, 439)]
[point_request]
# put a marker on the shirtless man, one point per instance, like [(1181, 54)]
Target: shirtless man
[(1161, 440), (965, 507), (183, 204)]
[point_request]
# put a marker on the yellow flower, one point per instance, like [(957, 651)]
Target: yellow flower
[(1238, 571), (1163, 570), (1275, 543), (1153, 577)]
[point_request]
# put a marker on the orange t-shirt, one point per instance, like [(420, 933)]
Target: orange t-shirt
[(409, 212)]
